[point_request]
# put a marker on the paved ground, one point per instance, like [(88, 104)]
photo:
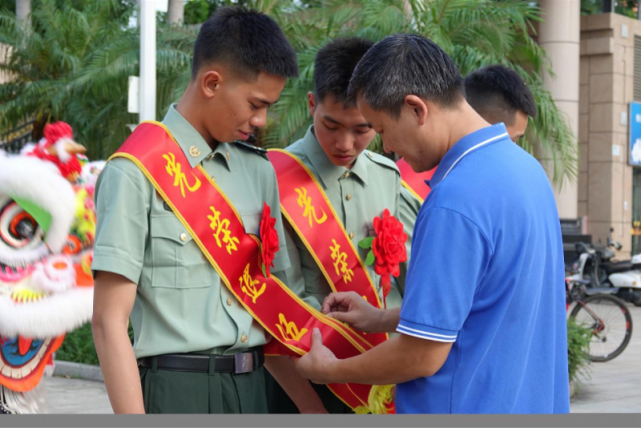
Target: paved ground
[(614, 386), (77, 396)]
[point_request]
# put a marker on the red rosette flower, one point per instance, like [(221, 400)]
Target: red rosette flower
[(388, 248), (269, 239)]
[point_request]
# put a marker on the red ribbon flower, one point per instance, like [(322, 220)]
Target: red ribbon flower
[(269, 238), (387, 248)]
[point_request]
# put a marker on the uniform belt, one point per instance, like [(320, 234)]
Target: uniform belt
[(244, 362)]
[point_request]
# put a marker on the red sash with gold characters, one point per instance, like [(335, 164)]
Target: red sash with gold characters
[(308, 210), (217, 229), (413, 181)]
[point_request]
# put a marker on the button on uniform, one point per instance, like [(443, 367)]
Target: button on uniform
[(349, 197), (194, 152), (351, 235), (183, 237), (229, 302), (243, 338)]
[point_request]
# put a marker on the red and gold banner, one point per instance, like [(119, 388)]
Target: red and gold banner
[(217, 229), (308, 210), (414, 181)]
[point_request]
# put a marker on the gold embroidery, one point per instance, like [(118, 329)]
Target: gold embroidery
[(309, 212), (248, 285), (219, 226), (289, 330), (340, 262), (174, 169)]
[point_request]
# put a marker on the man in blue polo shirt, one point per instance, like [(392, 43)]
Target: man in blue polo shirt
[(482, 326)]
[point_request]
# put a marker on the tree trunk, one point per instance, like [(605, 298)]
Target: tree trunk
[(23, 9), (175, 11)]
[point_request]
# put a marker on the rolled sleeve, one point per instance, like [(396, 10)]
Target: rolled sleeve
[(450, 255), (122, 208)]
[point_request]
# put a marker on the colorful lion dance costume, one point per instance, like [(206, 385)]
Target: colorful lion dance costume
[(47, 226)]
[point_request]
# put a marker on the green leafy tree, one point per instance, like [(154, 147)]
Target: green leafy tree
[(73, 63), (623, 7)]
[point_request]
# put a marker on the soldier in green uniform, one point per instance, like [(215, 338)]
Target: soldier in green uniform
[(359, 184), (192, 338)]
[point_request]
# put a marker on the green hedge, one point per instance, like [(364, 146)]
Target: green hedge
[(578, 346)]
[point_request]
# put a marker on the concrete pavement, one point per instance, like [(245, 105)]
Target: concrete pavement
[(67, 396), (614, 386)]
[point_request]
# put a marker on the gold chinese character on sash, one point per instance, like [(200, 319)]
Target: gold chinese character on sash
[(340, 262), (221, 226), (289, 329), (248, 285), (309, 212), (174, 169)]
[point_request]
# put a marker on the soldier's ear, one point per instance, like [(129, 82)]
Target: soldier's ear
[(211, 81), (311, 102)]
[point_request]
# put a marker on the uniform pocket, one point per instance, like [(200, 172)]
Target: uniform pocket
[(251, 222), (177, 262)]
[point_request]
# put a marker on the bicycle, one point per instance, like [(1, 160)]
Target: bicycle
[(607, 316)]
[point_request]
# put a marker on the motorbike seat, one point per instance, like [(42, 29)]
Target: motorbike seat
[(591, 291), (617, 267)]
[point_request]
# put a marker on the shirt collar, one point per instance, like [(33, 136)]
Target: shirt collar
[(191, 142), (326, 170), (471, 142)]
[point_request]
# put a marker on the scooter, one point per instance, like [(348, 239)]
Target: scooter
[(622, 278)]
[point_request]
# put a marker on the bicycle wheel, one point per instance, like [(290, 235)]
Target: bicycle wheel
[(611, 324)]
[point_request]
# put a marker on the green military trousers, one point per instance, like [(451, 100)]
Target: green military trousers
[(169, 391), (279, 402)]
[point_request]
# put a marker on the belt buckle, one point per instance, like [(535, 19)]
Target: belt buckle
[(244, 362)]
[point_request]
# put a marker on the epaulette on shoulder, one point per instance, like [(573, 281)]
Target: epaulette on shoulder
[(258, 150), (382, 160)]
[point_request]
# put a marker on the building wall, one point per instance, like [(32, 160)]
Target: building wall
[(559, 34), (606, 89), (3, 55)]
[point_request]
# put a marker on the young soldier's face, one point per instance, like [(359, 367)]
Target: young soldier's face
[(343, 133), (239, 106)]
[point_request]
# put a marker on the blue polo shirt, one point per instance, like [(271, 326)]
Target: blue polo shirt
[(487, 274)]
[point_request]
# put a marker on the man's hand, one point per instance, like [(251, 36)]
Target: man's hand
[(316, 365), (350, 307)]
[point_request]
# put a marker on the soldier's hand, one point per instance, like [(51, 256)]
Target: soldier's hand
[(350, 307)]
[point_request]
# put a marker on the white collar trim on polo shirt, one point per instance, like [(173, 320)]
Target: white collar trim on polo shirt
[(471, 149)]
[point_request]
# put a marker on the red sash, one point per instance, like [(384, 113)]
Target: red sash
[(217, 229), (413, 181)]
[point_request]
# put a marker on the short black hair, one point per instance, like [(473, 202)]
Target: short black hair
[(406, 64), (334, 66), (497, 93), (248, 41)]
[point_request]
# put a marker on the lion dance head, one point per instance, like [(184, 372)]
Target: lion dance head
[(47, 226)]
